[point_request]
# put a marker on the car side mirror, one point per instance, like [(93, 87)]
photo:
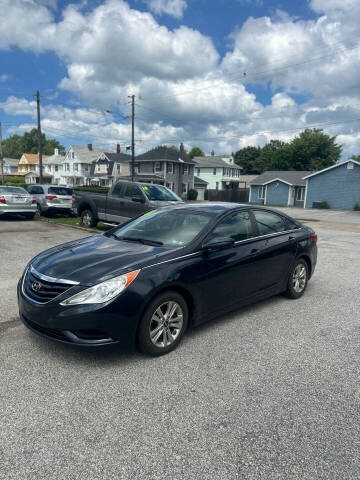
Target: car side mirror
[(138, 199), (218, 243)]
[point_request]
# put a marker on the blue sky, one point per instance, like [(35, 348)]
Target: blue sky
[(220, 74)]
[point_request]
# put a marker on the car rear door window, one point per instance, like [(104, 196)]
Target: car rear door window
[(60, 191), (132, 191), (269, 222), (118, 189), (237, 226)]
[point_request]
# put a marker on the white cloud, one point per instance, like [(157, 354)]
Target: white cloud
[(324, 6), (4, 77), (174, 8)]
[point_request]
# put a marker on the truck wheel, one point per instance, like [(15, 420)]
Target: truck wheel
[(88, 219)]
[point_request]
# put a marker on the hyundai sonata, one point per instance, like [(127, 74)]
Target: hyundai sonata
[(144, 283)]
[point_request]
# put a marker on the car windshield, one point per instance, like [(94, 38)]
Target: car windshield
[(60, 191), (169, 227), (158, 193), (16, 190)]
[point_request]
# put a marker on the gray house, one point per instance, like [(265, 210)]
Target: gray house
[(282, 188), (338, 185), (166, 166), (106, 169)]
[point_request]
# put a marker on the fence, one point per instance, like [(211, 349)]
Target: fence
[(240, 195)]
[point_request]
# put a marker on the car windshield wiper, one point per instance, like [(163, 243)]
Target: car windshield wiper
[(145, 241)]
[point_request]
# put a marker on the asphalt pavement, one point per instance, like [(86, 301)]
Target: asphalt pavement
[(268, 392)]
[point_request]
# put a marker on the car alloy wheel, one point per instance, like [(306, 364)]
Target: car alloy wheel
[(166, 324), (299, 278), (87, 219)]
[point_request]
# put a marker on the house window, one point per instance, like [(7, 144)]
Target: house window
[(350, 166), (184, 187), (217, 185), (98, 168), (300, 194), (118, 168), (158, 167), (73, 155), (76, 169), (198, 171), (214, 171), (186, 169), (170, 167), (262, 193), (86, 168), (67, 167), (56, 168)]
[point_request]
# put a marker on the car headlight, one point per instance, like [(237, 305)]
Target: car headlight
[(102, 292)]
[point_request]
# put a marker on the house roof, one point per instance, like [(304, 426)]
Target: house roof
[(54, 159), (247, 178), (12, 162), (118, 157), (164, 153), (33, 158), (213, 161), (84, 155), (200, 181), (291, 177), (332, 166)]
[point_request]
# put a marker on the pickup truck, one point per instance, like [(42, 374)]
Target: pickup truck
[(124, 200)]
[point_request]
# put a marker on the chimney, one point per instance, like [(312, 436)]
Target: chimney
[(118, 148), (212, 153), (90, 147), (56, 151)]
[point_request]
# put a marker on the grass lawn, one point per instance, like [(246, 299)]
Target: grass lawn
[(74, 221)]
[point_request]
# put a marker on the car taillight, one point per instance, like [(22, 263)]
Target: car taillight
[(33, 200), (50, 197), (73, 197), (314, 237), (2, 199)]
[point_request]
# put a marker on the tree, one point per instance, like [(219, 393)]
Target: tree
[(245, 158), (314, 150), (196, 152), (356, 158), (16, 145)]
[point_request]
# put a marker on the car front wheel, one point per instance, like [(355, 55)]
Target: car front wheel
[(298, 280), (163, 324)]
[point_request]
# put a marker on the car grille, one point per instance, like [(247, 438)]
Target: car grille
[(42, 291)]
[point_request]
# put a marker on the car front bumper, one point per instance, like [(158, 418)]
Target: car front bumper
[(82, 325)]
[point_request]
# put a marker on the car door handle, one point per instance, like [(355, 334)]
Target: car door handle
[(291, 238), (254, 252)]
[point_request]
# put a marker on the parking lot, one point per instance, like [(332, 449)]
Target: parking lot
[(268, 392)]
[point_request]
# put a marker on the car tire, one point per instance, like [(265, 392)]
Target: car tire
[(29, 216), (39, 211), (163, 324), (88, 219), (298, 280)]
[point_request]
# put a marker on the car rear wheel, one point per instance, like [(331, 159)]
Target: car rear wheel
[(39, 211), (298, 280), (30, 216), (163, 324), (88, 219)]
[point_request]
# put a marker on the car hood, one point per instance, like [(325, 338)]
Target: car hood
[(95, 259)]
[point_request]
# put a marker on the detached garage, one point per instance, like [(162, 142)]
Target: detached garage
[(338, 185)]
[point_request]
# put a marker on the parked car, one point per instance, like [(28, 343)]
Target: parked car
[(52, 199), (124, 200), (16, 200), (144, 283)]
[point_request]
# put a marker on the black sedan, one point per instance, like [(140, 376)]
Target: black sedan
[(145, 282)]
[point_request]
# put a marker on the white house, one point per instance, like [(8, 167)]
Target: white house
[(54, 165), (220, 172), (77, 165)]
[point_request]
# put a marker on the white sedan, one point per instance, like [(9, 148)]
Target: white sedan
[(16, 200)]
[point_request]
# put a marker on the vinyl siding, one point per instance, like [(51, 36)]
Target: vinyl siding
[(277, 193), (340, 187), (255, 194)]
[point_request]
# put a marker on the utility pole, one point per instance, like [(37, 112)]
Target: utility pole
[(39, 136), (132, 137), (1, 158)]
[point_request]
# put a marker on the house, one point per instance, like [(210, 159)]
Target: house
[(200, 186), (29, 162), (53, 166), (338, 185), (10, 165), (109, 167), (245, 180), (77, 165), (220, 172), (282, 188), (166, 166)]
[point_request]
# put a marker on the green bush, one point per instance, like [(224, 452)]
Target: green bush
[(192, 194), (92, 189), (18, 184), (324, 205), (357, 207), (14, 180)]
